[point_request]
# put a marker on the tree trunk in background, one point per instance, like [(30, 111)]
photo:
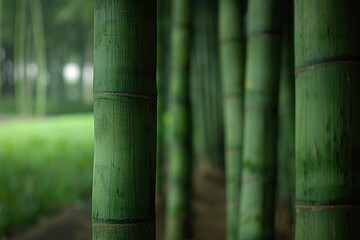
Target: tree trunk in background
[(256, 220), (232, 53), (286, 131), (163, 48), (327, 54), (19, 57), (125, 120), (178, 224), (40, 54)]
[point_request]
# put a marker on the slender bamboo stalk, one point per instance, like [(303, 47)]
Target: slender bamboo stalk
[(215, 108), (178, 211), (286, 131), (40, 54), (232, 53), (125, 120), (1, 29), (19, 57), (327, 141), (162, 76), (257, 198)]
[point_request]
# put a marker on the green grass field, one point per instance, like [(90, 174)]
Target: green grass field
[(44, 165)]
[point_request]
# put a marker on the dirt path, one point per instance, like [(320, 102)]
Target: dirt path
[(209, 200)]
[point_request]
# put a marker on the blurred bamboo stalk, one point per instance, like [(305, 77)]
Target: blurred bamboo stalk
[(232, 62), (257, 199), (179, 184)]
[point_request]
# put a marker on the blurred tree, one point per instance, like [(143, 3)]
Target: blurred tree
[(257, 197), (327, 54), (178, 224), (232, 53), (39, 47), (123, 204)]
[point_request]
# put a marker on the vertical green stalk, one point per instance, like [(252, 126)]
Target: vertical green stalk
[(19, 57), (257, 197), (1, 29), (29, 86), (232, 53), (40, 54), (286, 131), (213, 82), (162, 75), (178, 208), (327, 54), (125, 120), (207, 94)]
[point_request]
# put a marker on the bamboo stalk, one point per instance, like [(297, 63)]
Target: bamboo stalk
[(125, 120), (19, 57), (327, 119), (178, 211), (40, 54), (286, 132), (257, 197), (232, 53)]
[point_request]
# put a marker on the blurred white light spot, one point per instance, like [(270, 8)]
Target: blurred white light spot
[(31, 70), (71, 73)]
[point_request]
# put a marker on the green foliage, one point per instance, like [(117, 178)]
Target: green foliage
[(45, 164)]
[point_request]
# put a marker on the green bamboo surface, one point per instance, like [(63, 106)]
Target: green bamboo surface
[(40, 54), (232, 53), (179, 184), (125, 120), (257, 197), (327, 71)]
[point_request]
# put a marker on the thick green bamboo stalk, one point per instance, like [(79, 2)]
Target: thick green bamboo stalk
[(327, 54), (286, 131), (40, 54), (125, 120), (232, 53), (257, 197), (178, 209), (19, 57)]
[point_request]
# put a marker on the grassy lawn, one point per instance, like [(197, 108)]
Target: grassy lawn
[(44, 165)]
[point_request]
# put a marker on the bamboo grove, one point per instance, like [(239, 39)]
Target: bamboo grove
[(263, 91)]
